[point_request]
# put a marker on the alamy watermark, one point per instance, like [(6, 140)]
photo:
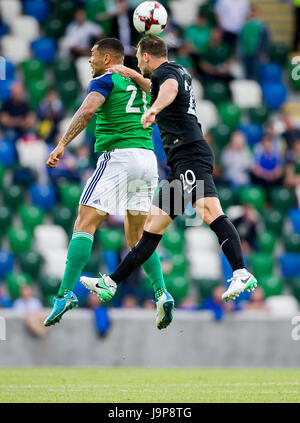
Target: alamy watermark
[(2, 69), (296, 70), (2, 329), (295, 333)]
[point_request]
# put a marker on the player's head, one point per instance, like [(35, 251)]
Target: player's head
[(151, 52), (106, 52)]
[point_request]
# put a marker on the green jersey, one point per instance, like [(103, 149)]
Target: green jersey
[(118, 123)]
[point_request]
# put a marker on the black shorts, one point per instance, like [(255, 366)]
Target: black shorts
[(189, 179)]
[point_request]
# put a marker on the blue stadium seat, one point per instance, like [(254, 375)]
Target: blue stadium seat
[(10, 70), (4, 29), (274, 94), (6, 263), (7, 153), (5, 89), (271, 72), (290, 265), (294, 215), (80, 290), (253, 132), (40, 10), (44, 49), (43, 196), (111, 259)]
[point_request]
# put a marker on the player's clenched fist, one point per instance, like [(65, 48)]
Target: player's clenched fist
[(55, 155)]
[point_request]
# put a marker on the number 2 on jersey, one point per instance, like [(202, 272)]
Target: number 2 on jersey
[(133, 109)]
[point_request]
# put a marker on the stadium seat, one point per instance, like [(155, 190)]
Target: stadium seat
[(253, 133), (278, 53), (274, 94), (83, 69), (49, 237), (295, 286), (226, 196), (14, 281), (49, 285), (283, 305), (68, 91), (7, 262), (7, 153), (173, 240), (200, 238), (13, 195), (179, 264), (31, 263), (197, 89), (261, 264), (271, 73), (44, 49), (5, 218), (221, 135), (110, 239), (33, 154), (216, 92), (26, 27), (253, 195), (290, 265), (55, 261), (31, 216), (54, 28), (274, 220), (40, 10), (5, 89), (111, 259), (70, 195), (2, 174), (63, 216), (184, 13), (230, 114), (207, 114), (294, 215), (281, 198), (271, 285), (204, 265), (33, 69), (259, 114), (81, 291), (246, 93), (37, 91), (178, 286), (64, 125), (93, 265), (43, 196), (205, 287), (266, 241), (15, 49), (10, 70), (10, 10), (65, 9), (64, 70), (292, 243), (20, 240)]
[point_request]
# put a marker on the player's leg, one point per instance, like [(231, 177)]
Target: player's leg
[(79, 252), (210, 210)]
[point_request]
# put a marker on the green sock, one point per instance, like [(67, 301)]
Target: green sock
[(152, 268), (79, 252)]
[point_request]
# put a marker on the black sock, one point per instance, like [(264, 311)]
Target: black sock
[(137, 256), (229, 241)]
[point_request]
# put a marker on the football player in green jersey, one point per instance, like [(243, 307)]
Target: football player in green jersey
[(125, 178)]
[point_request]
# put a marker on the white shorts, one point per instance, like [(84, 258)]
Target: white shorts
[(125, 179)]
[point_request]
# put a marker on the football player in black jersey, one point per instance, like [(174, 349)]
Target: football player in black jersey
[(191, 162)]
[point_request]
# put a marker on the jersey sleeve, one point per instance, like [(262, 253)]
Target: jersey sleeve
[(163, 74), (102, 85)]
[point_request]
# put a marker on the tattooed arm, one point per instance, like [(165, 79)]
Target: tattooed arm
[(80, 121)]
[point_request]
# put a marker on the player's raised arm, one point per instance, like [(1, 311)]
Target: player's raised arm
[(166, 95), (80, 121), (143, 83)]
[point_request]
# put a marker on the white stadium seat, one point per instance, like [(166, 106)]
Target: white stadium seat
[(14, 48), (83, 69), (199, 239), (63, 126), (246, 93), (207, 114), (33, 154), (26, 27), (10, 9), (55, 262), (204, 265), (184, 12), (283, 305), (49, 238), (198, 89)]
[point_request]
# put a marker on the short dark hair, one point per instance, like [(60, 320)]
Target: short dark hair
[(154, 46), (108, 45)]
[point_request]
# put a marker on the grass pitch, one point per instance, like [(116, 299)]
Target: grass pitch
[(118, 385)]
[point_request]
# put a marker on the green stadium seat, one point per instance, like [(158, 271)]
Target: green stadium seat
[(63, 216), (31, 263), (33, 69), (2, 173), (221, 135), (5, 218), (278, 53), (230, 115), (217, 92), (274, 220), (173, 240), (282, 198), (70, 195), (259, 114), (54, 28), (13, 195), (253, 195), (266, 241), (178, 286), (292, 243), (64, 70), (271, 285), (110, 239), (14, 281), (226, 197), (261, 264), (208, 10), (206, 287), (31, 216), (179, 263), (20, 240), (68, 91), (49, 285), (64, 9), (94, 264), (37, 91), (295, 286)]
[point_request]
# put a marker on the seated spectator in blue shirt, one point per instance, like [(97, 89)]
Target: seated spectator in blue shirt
[(267, 170)]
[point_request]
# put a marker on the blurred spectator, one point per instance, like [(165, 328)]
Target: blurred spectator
[(236, 160), (292, 171), (267, 170), (246, 225), (102, 320), (50, 113), (215, 61), (256, 301), (291, 132), (16, 118), (148, 304), (33, 308), (199, 33), (296, 37), (129, 301), (231, 16), (189, 303), (217, 305), (254, 40), (80, 35)]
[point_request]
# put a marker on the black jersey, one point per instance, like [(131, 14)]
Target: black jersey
[(177, 123)]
